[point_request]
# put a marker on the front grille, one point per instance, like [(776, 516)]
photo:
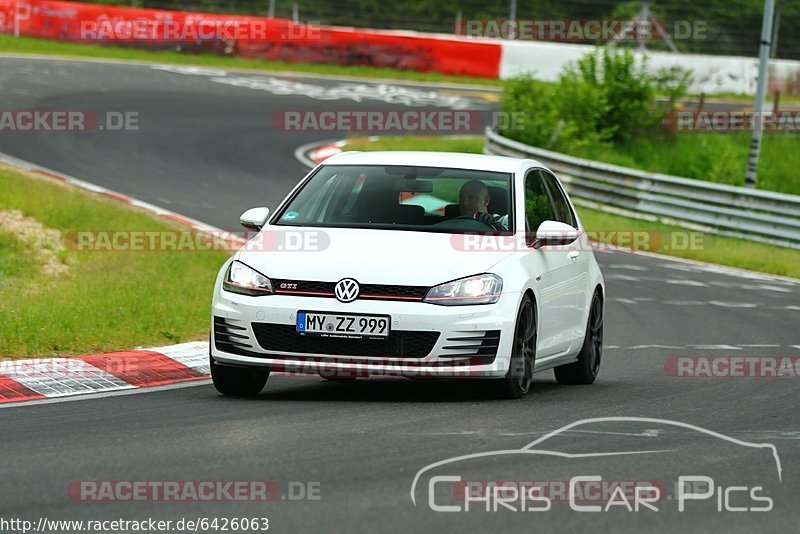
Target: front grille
[(231, 336), (313, 288), (384, 292), (399, 344)]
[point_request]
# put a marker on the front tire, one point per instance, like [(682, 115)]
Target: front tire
[(585, 370), (519, 377), (238, 381)]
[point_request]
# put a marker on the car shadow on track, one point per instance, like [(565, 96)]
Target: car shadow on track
[(403, 390)]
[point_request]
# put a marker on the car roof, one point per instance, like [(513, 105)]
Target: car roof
[(454, 160)]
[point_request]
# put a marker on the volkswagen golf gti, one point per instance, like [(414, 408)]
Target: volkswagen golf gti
[(412, 264)]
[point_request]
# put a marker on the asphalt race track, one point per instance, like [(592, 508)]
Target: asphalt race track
[(205, 149)]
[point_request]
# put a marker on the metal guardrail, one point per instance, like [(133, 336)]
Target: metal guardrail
[(750, 214)]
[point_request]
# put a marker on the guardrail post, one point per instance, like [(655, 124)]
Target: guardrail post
[(756, 121)]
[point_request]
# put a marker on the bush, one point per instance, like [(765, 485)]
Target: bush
[(608, 96), (532, 100)]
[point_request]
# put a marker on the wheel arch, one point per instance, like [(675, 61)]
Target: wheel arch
[(532, 294), (600, 289)]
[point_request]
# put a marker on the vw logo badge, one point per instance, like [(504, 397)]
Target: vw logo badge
[(346, 290)]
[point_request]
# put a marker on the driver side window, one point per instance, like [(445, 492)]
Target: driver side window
[(538, 207)]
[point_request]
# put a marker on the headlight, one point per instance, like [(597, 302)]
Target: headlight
[(480, 289), (246, 281)]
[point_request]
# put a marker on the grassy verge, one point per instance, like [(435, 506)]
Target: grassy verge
[(711, 248), (102, 300), (472, 145), (714, 249), (747, 100), (27, 45), (713, 157), (14, 261)]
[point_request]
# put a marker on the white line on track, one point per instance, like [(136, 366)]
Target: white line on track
[(715, 347), (637, 347), (733, 304), (117, 393), (682, 282)]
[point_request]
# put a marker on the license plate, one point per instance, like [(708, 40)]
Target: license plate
[(344, 325)]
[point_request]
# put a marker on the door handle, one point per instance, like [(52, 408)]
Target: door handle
[(573, 254)]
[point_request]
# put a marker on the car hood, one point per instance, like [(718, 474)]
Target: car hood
[(370, 256)]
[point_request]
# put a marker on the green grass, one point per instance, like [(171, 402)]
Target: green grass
[(28, 45), (713, 157), (106, 300), (472, 145), (14, 260), (713, 249), (748, 100)]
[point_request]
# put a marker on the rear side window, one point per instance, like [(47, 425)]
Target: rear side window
[(563, 210), (538, 207)]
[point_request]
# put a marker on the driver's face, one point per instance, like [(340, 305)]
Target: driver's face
[(473, 200)]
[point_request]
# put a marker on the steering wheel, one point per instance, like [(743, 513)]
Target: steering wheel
[(471, 218)]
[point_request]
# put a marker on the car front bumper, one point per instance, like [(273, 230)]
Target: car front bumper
[(473, 341)]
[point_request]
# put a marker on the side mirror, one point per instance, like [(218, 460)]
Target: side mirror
[(254, 218), (553, 233)]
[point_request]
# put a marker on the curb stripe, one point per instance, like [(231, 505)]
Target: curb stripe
[(118, 196), (52, 175), (13, 391), (193, 355), (142, 368), (178, 218), (58, 377), (320, 154), (43, 378)]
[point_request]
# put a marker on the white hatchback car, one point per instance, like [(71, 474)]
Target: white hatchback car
[(415, 264)]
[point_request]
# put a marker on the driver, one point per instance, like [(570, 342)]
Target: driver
[(473, 200)]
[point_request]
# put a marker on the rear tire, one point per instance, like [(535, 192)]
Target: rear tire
[(238, 381), (585, 370), (519, 377)]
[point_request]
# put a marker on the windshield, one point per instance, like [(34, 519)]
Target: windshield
[(431, 199)]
